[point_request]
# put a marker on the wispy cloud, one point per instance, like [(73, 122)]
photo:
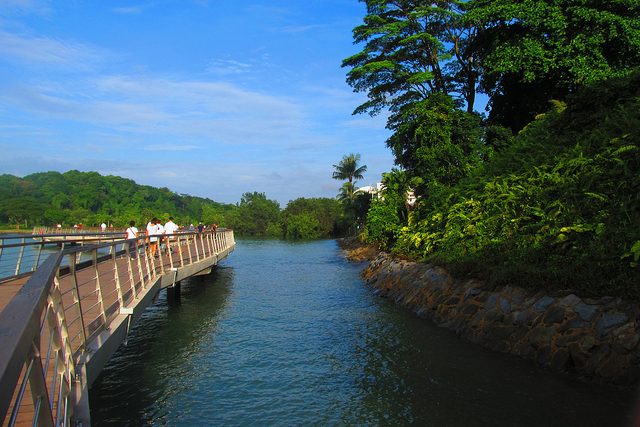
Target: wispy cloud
[(40, 7), (295, 29), (48, 51), (171, 147), (129, 10), (228, 66), (194, 110)]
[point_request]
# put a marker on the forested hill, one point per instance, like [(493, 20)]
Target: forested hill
[(90, 198)]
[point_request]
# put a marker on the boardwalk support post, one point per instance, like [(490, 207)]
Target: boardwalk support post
[(129, 312)]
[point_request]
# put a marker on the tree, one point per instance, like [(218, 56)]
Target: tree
[(533, 51), (413, 48), (435, 141), (256, 214), (349, 169), (323, 210)]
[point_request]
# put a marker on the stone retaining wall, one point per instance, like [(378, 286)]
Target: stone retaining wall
[(597, 339)]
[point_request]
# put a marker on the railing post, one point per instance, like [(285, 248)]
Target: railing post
[(212, 249), (180, 251), (148, 260), (169, 251), (20, 257), (195, 245), (189, 248), (94, 255), (130, 269), (38, 257), (117, 276), (76, 296), (43, 415)]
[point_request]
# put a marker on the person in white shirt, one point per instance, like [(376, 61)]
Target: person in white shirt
[(103, 227), (169, 229), (152, 232), (160, 230), (132, 233)]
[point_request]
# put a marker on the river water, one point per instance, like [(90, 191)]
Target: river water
[(288, 334)]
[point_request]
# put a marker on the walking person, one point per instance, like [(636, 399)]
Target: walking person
[(169, 230), (132, 237), (152, 233), (161, 238)]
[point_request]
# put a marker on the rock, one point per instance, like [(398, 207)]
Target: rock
[(570, 301), (470, 309), (541, 335), (585, 311), (543, 303), (505, 305), (522, 317), (518, 296), (574, 323), (471, 292), (578, 356), (491, 302), (609, 321), (554, 315), (587, 342)]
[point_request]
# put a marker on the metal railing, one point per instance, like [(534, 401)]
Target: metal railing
[(70, 298), (21, 255)]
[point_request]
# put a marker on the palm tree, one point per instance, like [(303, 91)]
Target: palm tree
[(348, 169), (347, 192)]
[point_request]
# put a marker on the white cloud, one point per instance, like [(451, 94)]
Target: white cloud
[(129, 10), (48, 51), (196, 111), (40, 7), (172, 147), (228, 66)]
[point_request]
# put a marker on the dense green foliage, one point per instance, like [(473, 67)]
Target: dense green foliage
[(73, 197), (88, 198), (525, 196), (535, 50), (560, 208)]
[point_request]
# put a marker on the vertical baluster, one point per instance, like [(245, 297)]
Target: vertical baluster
[(94, 257), (189, 248), (195, 244), (210, 244), (76, 296), (40, 246), (117, 276), (134, 294), (180, 251), (20, 257)]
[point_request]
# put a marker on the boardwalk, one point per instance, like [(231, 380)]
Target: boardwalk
[(62, 322)]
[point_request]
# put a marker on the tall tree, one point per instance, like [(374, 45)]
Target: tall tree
[(533, 51), (413, 48), (349, 169)]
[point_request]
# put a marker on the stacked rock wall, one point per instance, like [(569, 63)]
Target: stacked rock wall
[(595, 338)]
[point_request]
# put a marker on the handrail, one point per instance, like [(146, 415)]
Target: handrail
[(70, 299), (20, 255)]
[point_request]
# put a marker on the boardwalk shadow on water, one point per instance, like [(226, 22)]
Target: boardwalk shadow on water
[(155, 363)]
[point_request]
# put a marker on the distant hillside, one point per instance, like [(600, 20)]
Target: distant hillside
[(89, 198)]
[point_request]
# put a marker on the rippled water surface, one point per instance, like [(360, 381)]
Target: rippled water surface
[(287, 334)]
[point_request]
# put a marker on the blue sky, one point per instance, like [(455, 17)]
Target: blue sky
[(210, 98)]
